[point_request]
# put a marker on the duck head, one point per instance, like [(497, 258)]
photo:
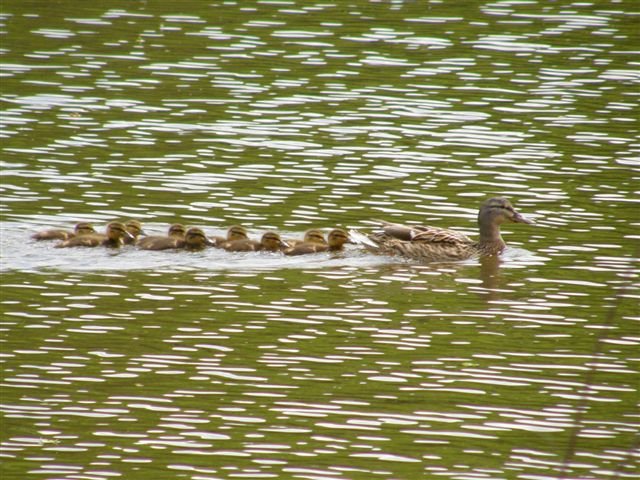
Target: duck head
[(195, 239), (498, 210), (117, 231), (134, 227), (177, 230), (272, 242), (236, 232), (83, 228), (314, 235), (337, 238)]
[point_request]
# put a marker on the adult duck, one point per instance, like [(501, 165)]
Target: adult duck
[(81, 228), (113, 238), (335, 242), (434, 244), (173, 239)]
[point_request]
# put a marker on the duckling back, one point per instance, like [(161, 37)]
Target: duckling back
[(173, 239)]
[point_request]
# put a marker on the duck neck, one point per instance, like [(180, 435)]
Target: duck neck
[(491, 242)]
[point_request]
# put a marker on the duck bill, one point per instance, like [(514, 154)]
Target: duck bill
[(128, 235), (520, 219), (209, 242)]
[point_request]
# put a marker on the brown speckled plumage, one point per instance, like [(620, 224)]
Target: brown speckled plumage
[(158, 242), (195, 239), (113, 238), (82, 228), (335, 242), (235, 232), (433, 244), (270, 242)]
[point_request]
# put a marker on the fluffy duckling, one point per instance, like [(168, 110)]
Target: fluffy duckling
[(313, 235), (336, 240), (81, 228), (158, 242), (134, 227), (195, 239), (433, 244), (113, 238), (235, 232), (270, 242)]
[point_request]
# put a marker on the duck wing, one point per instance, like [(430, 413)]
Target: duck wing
[(426, 244), (440, 235)]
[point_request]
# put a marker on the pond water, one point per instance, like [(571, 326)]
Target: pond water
[(286, 115)]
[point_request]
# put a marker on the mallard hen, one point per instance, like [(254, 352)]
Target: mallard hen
[(81, 228), (270, 242), (336, 240), (433, 244), (113, 238), (158, 242)]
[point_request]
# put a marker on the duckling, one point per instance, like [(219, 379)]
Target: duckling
[(433, 244), (195, 239), (235, 232), (313, 235), (158, 242), (270, 242), (113, 238), (134, 227), (336, 240), (81, 228)]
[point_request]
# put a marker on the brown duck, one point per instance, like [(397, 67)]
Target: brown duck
[(433, 244), (313, 235), (195, 239), (235, 232), (113, 238), (134, 227), (336, 240), (174, 239), (81, 228), (270, 242)]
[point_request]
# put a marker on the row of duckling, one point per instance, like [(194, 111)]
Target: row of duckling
[(178, 236)]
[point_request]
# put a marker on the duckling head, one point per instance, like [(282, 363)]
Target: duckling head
[(134, 227), (236, 232), (195, 239), (272, 242), (314, 235), (177, 230), (117, 231), (337, 238), (84, 228)]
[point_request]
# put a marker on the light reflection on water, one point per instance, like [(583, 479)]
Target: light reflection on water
[(285, 116)]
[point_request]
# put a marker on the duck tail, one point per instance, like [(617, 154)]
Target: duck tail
[(361, 239)]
